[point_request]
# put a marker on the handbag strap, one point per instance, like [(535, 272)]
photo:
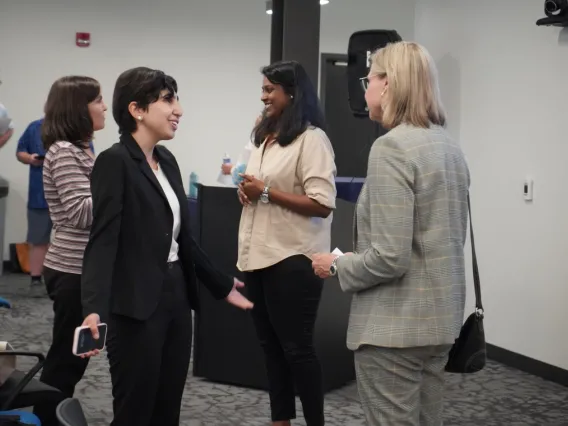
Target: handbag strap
[(476, 283)]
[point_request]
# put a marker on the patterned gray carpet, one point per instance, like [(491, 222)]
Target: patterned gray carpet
[(496, 396)]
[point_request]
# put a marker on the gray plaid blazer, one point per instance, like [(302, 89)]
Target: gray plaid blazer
[(407, 275)]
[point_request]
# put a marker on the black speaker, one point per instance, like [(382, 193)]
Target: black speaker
[(361, 45)]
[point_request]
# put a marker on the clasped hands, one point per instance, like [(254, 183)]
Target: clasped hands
[(249, 189)]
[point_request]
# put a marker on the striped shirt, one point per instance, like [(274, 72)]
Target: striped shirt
[(66, 182)]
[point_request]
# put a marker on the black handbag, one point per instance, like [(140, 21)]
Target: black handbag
[(469, 352)]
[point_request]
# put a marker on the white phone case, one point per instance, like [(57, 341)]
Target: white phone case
[(76, 337)]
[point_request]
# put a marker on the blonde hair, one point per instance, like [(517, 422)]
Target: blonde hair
[(413, 95)]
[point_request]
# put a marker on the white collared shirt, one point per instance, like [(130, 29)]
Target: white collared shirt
[(174, 205)]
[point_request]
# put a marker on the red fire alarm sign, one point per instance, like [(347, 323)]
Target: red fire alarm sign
[(83, 39)]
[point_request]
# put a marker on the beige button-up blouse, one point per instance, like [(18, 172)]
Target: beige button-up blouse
[(269, 233)]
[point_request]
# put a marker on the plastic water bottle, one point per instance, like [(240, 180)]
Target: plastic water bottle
[(193, 181), (223, 178)]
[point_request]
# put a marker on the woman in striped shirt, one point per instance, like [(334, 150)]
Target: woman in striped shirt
[(73, 112)]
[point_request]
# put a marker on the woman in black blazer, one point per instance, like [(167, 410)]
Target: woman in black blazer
[(141, 262)]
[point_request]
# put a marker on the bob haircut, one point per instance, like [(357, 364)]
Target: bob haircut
[(304, 108), (140, 85), (413, 95), (67, 116)]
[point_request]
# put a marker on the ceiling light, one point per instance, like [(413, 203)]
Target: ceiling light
[(269, 5)]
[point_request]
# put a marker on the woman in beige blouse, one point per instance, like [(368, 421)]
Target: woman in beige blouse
[(288, 194)]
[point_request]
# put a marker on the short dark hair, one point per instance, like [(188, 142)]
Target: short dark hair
[(304, 108), (67, 116), (141, 85)]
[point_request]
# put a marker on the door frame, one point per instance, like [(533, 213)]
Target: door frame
[(327, 58)]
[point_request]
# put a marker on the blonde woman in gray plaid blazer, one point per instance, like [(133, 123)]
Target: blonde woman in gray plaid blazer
[(407, 275)]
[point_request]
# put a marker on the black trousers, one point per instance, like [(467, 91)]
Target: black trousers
[(149, 360), (286, 298), (62, 369)]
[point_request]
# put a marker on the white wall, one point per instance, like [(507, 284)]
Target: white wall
[(341, 18), (216, 60), (504, 83)]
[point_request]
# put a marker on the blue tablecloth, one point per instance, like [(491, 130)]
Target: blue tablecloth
[(348, 188)]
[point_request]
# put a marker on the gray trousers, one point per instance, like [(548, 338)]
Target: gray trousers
[(401, 387)]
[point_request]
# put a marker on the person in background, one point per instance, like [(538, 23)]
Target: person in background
[(237, 169), (6, 125), (141, 263), (30, 151), (74, 111), (407, 275), (287, 214)]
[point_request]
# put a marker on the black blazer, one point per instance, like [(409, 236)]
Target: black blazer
[(126, 258)]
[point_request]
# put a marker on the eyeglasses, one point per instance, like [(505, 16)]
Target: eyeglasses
[(364, 83)]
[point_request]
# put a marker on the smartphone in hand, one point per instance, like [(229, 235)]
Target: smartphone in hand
[(84, 341)]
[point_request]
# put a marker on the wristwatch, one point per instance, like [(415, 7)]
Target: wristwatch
[(333, 267), (264, 196)]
